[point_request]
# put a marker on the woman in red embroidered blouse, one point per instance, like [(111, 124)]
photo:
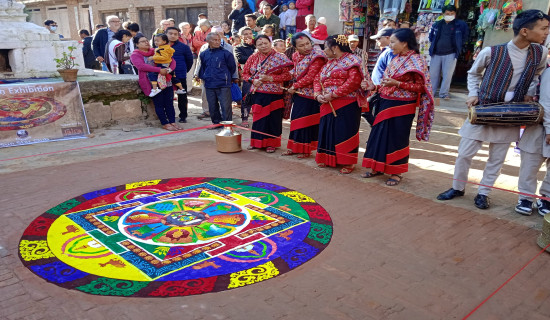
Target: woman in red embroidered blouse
[(266, 70), (337, 88), (304, 119), (405, 86)]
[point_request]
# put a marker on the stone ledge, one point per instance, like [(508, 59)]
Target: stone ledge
[(101, 115), (114, 99), (106, 87)]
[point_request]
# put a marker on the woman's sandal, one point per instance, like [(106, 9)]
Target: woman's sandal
[(303, 155), (287, 153), (169, 127), (269, 149), (347, 170), (250, 148), (371, 174), (392, 181), (321, 165)]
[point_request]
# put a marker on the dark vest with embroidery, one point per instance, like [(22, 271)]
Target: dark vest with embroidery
[(498, 75)]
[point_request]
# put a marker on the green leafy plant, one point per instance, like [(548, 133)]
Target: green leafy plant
[(67, 61)]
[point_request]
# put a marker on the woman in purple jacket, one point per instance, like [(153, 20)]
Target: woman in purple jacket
[(164, 103)]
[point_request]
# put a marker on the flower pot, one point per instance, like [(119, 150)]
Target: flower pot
[(68, 75)]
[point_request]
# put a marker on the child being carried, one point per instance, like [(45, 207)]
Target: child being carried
[(163, 58)]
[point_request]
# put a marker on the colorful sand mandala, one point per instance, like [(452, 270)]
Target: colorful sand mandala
[(175, 237)]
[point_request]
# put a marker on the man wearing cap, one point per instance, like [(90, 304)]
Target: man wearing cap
[(501, 73), (353, 40), (383, 41), (447, 38)]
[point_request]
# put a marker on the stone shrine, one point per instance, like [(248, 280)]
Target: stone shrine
[(28, 50)]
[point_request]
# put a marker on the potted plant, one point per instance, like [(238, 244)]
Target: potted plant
[(65, 65)]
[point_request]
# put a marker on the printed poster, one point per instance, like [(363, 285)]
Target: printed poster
[(41, 112)]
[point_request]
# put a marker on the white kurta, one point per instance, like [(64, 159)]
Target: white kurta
[(533, 138), (497, 134)]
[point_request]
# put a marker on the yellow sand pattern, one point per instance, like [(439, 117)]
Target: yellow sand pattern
[(114, 266), (142, 184)]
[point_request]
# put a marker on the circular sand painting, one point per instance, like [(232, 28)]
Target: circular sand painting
[(175, 237)]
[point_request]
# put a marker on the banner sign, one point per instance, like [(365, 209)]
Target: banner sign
[(41, 112)]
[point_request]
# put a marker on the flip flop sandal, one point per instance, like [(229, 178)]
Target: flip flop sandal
[(371, 174), (321, 165), (303, 155), (168, 127), (250, 148), (269, 149), (346, 170), (393, 182), (287, 153)]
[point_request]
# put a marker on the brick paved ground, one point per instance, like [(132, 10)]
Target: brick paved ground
[(395, 254)]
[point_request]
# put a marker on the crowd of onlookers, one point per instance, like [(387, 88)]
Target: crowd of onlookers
[(278, 19), (110, 47)]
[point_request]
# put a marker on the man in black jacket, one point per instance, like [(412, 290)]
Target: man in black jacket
[(184, 61), (447, 39), (242, 53), (102, 36), (89, 58)]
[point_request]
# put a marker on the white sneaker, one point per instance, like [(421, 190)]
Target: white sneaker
[(543, 206), (524, 207), (154, 92), (181, 91)]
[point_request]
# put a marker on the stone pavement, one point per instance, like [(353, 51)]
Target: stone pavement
[(396, 253)]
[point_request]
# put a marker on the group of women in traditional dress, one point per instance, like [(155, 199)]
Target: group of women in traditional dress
[(328, 100)]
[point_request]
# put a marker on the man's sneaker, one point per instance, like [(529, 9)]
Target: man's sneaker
[(154, 92), (524, 207), (181, 91), (543, 206)]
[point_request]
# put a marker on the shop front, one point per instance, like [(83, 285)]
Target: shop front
[(489, 22)]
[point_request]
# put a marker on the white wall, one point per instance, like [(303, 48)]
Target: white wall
[(329, 10)]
